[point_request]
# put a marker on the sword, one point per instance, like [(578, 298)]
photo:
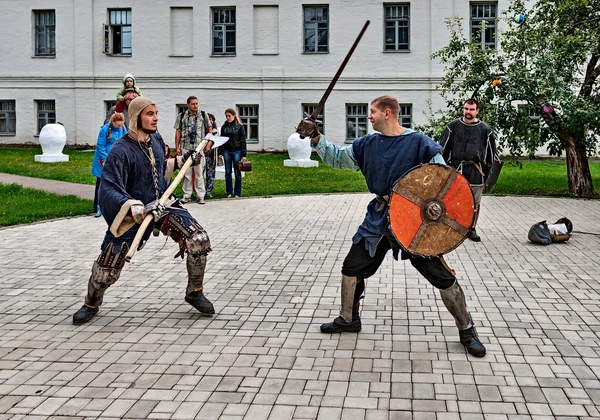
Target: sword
[(321, 104)]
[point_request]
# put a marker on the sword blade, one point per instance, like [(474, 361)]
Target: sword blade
[(321, 104)]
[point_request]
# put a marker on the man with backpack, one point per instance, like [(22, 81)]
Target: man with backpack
[(190, 129)]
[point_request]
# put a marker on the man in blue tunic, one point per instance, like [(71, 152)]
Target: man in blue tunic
[(134, 177), (383, 158)]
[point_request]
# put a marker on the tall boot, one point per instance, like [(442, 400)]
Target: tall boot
[(472, 235), (454, 300), (349, 319), (196, 265), (105, 272)]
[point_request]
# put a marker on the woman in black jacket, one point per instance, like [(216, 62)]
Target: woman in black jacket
[(233, 151)]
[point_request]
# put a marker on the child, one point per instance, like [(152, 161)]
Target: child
[(128, 82)]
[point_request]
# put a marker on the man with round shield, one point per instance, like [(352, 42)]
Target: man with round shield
[(383, 158)]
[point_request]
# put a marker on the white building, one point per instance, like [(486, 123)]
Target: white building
[(63, 60)]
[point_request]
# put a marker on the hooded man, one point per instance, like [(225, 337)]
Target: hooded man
[(134, 178)]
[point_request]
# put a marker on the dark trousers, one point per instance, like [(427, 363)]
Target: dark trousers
[(96, 192), (210, 166), (360, 264)]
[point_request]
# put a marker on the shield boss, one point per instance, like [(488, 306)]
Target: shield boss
[(431, 210)]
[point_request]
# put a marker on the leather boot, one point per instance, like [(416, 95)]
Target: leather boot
[(472, 235), (470, 340), (84, 314), (196, 264), (340, 325)]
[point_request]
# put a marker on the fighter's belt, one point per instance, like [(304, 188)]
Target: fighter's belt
[(431, 210)]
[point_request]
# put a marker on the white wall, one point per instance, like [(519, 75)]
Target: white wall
[(81, 77)]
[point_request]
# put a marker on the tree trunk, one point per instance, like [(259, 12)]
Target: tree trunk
[(578, 168)]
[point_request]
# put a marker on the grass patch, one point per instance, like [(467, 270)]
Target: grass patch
[(270, 177), (20, 161), (539, 177), (26, 205)]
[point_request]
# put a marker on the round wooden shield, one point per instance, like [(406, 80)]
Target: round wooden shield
[(431, 210)]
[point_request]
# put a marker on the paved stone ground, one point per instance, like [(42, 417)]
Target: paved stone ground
[(274, 277)]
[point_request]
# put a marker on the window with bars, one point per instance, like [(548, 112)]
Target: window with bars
[(405, 117), (44, 29), (483, 24), (309, 109), (356, 121), (180, 108), (249, 117), (397, 27), (46, 114), (316, 29), (8, 118), (223, 25), (117, 34), (108, 105)]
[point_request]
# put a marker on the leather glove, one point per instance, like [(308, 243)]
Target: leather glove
[(196, 157), (308, 128), (139, 211), (155, 208)]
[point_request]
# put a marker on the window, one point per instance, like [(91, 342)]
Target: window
[(397, 27), (249, 117), (356, 121), (405, 117), (108, 105), (483, 24), (309, 109), (179, 108), (45, 42), (223, 31), (316, 29), (8, 118), (46, 114), (117, 35)]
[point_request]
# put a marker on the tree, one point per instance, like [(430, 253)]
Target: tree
[(541, 86)]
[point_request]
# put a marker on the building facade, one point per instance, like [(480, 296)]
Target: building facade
[(63, 61)]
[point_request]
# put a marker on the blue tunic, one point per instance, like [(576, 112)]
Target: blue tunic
[(127, 175), (382, 160)]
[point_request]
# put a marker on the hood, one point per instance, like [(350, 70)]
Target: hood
[(135, 109), (128, 76)]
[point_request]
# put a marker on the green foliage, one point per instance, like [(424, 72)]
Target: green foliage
[(551, 58), (26, 205)]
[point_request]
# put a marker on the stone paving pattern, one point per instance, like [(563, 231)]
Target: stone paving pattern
[(274, 278)]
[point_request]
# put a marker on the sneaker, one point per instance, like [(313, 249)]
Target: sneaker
[(84, 314), (228, 195), (184, 200), (98, 213), (470, 340), (472, 235), (201, 201), (339, 325), (200, 302)]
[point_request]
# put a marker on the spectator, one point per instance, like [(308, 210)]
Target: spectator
[(128, 83), (109, 133), (211, 159), (130, 95), (233, 151), (190, 129)]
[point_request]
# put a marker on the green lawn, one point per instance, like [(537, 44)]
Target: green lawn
[(26, 205), (270, 177)]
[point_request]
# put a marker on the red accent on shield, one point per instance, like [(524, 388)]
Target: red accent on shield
[(431, 210)]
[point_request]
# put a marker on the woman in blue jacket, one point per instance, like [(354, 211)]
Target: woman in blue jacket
[(109, 133)]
